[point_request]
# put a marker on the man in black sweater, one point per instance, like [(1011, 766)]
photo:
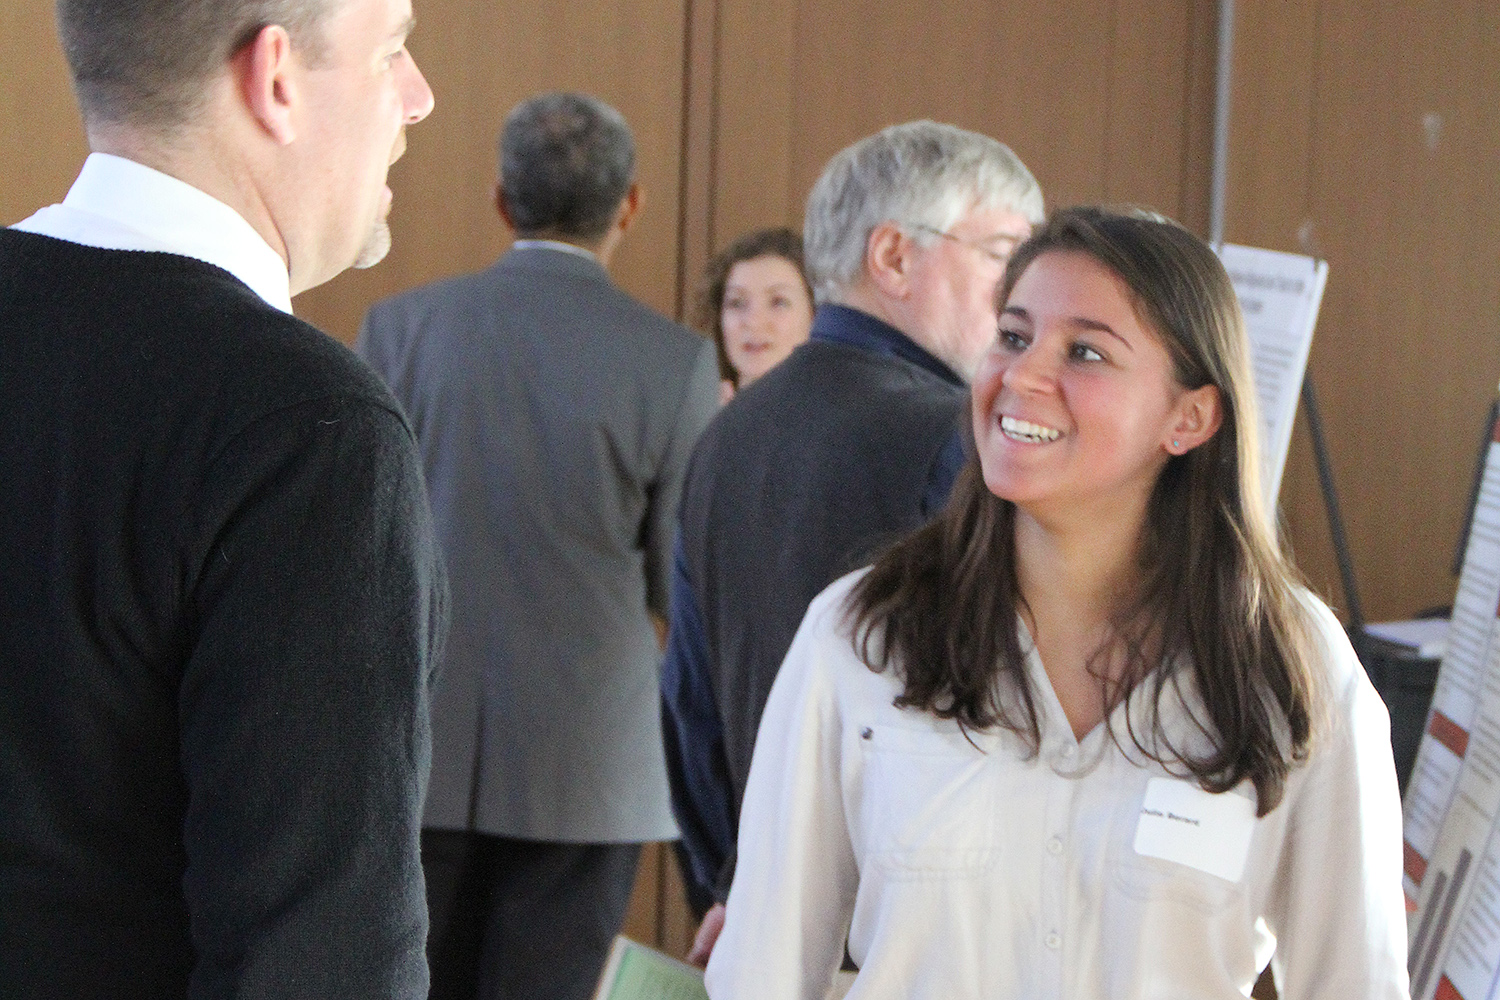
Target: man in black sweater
[(220, 599), (848, 444)]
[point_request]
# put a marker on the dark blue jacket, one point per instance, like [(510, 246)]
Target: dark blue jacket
[(852, 442)]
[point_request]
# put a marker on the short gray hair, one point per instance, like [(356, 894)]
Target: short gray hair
[(566, 163), (145, 62), (920, 175)]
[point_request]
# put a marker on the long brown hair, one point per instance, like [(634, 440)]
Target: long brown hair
[(1216, 595)]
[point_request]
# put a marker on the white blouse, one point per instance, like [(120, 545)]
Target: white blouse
[(964, 869)]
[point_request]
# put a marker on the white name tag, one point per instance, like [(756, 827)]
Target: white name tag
[(1181, 822)]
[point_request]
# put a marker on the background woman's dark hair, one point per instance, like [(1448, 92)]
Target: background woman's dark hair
[(776, 242), (941, 606)]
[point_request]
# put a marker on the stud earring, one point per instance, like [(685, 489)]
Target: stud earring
[(1176, 443)]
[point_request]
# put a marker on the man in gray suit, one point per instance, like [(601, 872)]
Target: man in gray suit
[(555, 415)]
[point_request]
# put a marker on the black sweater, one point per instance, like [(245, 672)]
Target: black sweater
[(849, 444), (219, 606)]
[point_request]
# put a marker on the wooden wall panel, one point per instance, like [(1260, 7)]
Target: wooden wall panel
[(1369, 135), (1147, 120), (756, 138), (1271, 133), (41, 136), (1268, 203), (699, 131), (1200, 66), (1102, 101)]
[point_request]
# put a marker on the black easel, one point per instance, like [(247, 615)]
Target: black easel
[(1355, 610), (1356, 627)]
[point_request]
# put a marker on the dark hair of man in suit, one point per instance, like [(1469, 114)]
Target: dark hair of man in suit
[(145, 62), (566, 163)]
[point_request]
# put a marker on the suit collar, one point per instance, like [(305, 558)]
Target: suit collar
[(544, 259), (557, 245)]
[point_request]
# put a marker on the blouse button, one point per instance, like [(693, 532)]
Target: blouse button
[(1054, 940), (1055, 846)]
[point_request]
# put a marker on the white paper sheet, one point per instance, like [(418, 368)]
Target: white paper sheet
[(1279, 294), (1425, 637)]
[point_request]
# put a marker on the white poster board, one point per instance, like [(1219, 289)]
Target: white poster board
[(1451, 851), (1279, 294)]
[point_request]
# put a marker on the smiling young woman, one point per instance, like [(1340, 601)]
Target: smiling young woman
[(1086, 734)]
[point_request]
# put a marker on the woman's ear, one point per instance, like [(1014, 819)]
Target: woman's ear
[(1199, 413)]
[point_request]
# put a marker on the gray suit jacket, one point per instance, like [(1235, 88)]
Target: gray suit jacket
[(555, 416)]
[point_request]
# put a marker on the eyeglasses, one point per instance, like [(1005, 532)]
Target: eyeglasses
[(999, 257)]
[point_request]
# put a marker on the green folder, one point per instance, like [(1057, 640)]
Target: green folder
[(636, 972)]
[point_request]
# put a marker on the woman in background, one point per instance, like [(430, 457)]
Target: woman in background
[(1085, 735), (758, 303)]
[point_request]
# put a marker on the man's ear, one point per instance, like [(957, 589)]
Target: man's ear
[(888, 259), (630, 207), (502, 207), (1200, 412), (263, 75)]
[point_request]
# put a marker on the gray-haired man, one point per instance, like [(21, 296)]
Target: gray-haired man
[(556, 415), (221, 591), (849, 443)]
